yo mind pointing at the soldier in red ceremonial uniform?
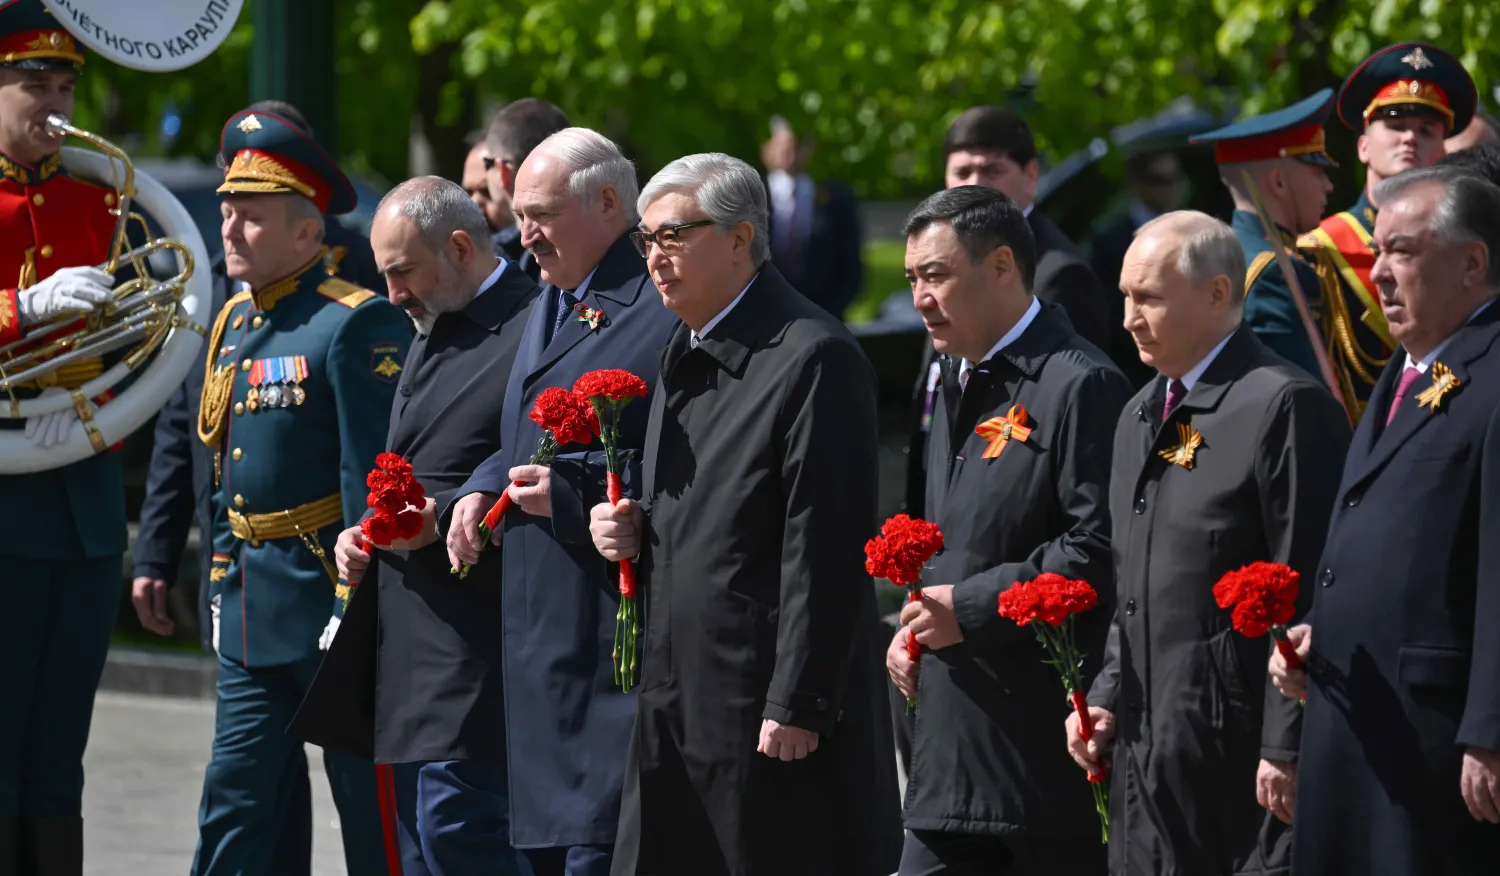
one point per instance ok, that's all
(62, 544)
(1402, 101)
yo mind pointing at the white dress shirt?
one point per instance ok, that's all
(965, 366)
(719, 317)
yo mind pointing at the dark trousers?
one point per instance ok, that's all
(61, 614)
(571, 860)
(293, 853)
(247, 792)
(933, 853)
(454, 818)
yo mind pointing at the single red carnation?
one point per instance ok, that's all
(877, 558)
(1019, 603)
(377, 529)
(615, 384)
(567, 414)
(902, 551)
(389, 501)
(379, 479)
(1263, 595)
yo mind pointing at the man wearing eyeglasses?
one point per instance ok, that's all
(567, 724)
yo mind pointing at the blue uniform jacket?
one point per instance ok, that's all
(1269, 308)
(567, 723)
(276, 595)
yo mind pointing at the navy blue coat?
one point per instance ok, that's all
(567, 723)
(1405, 659)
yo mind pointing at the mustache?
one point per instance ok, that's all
(541, 249)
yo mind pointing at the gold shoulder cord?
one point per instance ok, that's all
(218, 390)
(1350, 362)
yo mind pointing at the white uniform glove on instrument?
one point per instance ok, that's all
(325, 641)
(49, 430)
(70, 290)
(213, 609)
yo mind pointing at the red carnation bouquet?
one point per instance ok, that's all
(566, 418)
(1264, 598)
(609, 390)
(899, 554)
(1048, 604)
(397, 498)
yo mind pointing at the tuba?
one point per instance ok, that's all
(155, 321)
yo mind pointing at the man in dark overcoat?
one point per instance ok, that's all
(568, 723)
(1231, 456)
(412, 677)
(987, 790)
(1400, 759)
(762, 744)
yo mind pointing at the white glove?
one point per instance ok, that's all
(48, 430)
(325, 641)
(70, 290)
(213, 609)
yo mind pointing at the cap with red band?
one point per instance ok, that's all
(31, 39)
(266, 154)
(1293, 132)
(1409, 79)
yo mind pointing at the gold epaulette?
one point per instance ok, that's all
(218, 382)
(344, 292)
(1257, 265)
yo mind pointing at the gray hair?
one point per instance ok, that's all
(299, 208)
(596, 162)
(728, 190)
(437, 207)
(1466, 212)
(1208, 248)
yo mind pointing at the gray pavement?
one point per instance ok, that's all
(143, 774)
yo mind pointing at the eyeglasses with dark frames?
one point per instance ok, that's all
(668, 238)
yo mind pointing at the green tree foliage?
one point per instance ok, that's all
(875, 82)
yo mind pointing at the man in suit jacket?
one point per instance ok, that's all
(1400, 767)
(514, 131)
(413, 676)
(816, 239)
(988, 789)
(1180, 693)
(567, 722)
(759, 747)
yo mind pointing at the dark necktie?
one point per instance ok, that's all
(1175, 392)
(1408, 377)
(565, 304)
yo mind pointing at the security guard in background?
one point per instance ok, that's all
(1403, 101)
(1283, 154)
(62, 542)
(301, 373)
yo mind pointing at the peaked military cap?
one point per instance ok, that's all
(31, 39)
(266, 154)
(1291, 132)
(1408, 79)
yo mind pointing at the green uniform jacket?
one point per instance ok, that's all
(340, 350)
(1269, 307)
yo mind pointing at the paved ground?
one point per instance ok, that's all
(144, 772)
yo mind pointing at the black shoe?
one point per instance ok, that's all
(51, 847)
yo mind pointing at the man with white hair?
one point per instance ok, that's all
(1401, 744)
(567, 723)
(413, 677)
(1229, 457)
(761, 744)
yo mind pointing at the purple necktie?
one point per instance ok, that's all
(1175, 392)
(1408, 377)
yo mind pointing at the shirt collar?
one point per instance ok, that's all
(1426, 361)
(1008, 338)
(25, 175)
(1026, 213)
(491, 279)
(583, 288)
(1195, 374)
(719, 317)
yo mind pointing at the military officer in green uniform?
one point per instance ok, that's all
(1402, 101)
(302, 369)
(1280, 157)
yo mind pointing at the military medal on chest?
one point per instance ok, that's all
(277, 383)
